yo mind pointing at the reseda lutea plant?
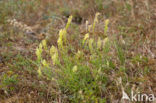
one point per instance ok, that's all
(82, 76)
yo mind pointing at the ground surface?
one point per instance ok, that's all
(132, 25)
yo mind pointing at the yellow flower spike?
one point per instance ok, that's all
(99, 43)
(54, 54)
(39, 72)
(38, 54)
(45, 64)
(53, 79)
(40, 48)
(106, 26)
(44, 43)
(55, 58)
(60, 43)
(53, 50)
(107, 63)
(96, 17)
(60, 39)
(64, 32)
(106, 21)
(85, 38)
(91, 44)
(95, 21)
(69, 22)
(97, 14)
(75, 68)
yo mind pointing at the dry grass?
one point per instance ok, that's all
(132, 55)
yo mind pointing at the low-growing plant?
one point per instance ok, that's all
(85, 74)
(80, 76)
(88, 65)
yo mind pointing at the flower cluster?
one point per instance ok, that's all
(54, 54)
(39, 51)
(90, 41)
(92, 27)
(62, 34)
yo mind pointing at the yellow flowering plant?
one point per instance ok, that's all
(99, 43)
(90, 44)
(75, 65)
(39, 72)
(39, 52)
(60, 39)
(54, 54)
(85, 38)
(69, 22)
(44, 43)
(95, 21)
(106, 26)
(45, 64)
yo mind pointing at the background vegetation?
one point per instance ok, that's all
(79, 51)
